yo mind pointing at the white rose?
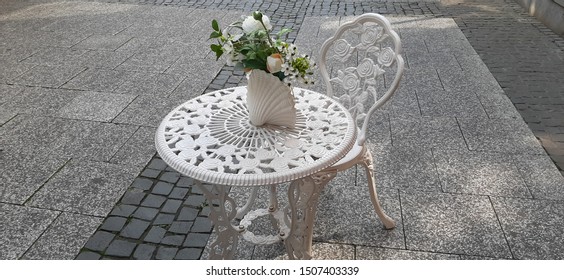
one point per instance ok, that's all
(250, 24)
(274, 63)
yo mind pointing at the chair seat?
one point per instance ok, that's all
(351, 158)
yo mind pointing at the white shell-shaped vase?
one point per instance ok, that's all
(269, 100)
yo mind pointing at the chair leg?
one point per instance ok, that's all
(368, 164)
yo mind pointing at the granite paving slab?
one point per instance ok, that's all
(499, 135)
(404, 167)
(21, 226)
(480, 173)
(147, 110)
(28, 134)
(6, 115)
(404, 105)
(96, 106)
(103, 80)
(421, 79)
(376, 253)
(103, 42)
(7, 94)
(533, 228)
(138, 149)
(473, 66)
(103, 59)
(149, 61)
(418, 55)
(92, 140)
(541, 176)
(379, 130)
(48, 76)
(40, 101)
(453, 79)
(22, 175)
(199, 75)
(64, 237)
(427, 132)
(194, 65)
(143, 42)
(320, 251)
(55, 56)
(450, 103)
(498, 106)
(442, 223)
(345, 214)
(150, 84)
(59, 38)
(65, 137)
(10, 70)
(95, 193)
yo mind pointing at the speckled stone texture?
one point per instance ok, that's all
(83, 86)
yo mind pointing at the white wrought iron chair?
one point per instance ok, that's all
(364, 59)
(367, 50)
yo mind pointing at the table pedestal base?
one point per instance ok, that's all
(294, 222)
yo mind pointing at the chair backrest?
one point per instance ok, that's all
(364, 59)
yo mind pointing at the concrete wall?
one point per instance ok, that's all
(550, 12)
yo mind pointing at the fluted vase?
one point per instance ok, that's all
(269, 100)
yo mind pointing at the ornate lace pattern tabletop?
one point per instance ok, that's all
(210, 139)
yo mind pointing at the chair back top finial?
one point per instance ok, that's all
(364, 59)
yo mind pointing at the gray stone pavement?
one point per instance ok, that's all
(83, 86)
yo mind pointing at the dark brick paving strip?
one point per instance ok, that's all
(163, 216)
(527, 60)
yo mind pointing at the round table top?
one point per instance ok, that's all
(209, 138)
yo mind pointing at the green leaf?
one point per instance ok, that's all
(254, 64)
(215, 34)
(215, 25)
(218, 50)
(283, 31)
(218, 54)
(280, 75)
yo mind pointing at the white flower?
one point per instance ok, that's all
(250, 24)
(288, 69)
(236, 37)
(228, 48)
(234, 58)
(274, 63)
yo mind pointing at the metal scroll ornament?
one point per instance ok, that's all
(269, 101)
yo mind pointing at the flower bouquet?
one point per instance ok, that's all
(252, 47)
(272, 66)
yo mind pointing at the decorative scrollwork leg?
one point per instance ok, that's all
(368, 164)
(242, 211)
(303, 196)
(223, 211)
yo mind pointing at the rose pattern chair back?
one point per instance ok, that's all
(363, 59)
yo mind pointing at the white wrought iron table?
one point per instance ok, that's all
(209, 138)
